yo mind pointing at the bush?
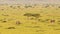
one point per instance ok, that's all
(32, 15)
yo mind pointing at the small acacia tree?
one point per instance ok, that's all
(32, 15)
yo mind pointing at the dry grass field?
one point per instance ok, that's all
(28, 19)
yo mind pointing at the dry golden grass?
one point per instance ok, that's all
(13, 21)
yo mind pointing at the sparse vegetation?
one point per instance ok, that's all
(27, 6)
(11, 28)
(32, 15)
